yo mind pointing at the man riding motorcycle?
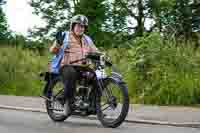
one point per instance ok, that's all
(96, 93)
(73, 45)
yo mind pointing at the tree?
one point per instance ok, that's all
(55, 13)
(173, 18)
(183, 18)
(142, 11)
(196, 22)
(4, 33)
(135, 10)
(196, 15)
(158, 11)
(96, 11)
(58, 13)
(2, 2)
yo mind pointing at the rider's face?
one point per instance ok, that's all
(79, 29)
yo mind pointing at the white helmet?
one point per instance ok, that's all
(78, 19)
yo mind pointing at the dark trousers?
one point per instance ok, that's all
(69, 76)
(51, 78)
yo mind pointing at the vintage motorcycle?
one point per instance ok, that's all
(96, 93)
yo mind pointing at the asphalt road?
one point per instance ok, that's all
(12, 121)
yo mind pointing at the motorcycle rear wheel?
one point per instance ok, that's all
(55, 109)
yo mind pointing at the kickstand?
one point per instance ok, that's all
(46, 98)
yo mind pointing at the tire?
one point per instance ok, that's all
(125, 105)
(55, 117)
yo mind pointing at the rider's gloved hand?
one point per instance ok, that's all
(59, 38)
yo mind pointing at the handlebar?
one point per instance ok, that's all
(75, 61)
(95, 57)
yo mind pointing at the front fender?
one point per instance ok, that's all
(116, 77)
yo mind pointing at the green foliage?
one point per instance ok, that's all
(113, 22)
(95, 10)
(160, 72)
(4, 33)
(19, 70)
(174, 18)
(26, 43)
(156, 71)
(56, 13)
(196, 17)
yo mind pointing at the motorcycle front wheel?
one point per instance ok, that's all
(113, 103)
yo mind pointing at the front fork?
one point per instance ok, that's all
(102, 89)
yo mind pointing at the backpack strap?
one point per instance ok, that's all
(66, 39)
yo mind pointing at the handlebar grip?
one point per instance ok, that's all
(108, 63)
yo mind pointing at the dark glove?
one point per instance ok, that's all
(60, 38)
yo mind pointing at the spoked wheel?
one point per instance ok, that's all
(113, 104)
(56, 110)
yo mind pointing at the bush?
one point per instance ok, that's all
(19, 70)
(156, 71)
(161, 72)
